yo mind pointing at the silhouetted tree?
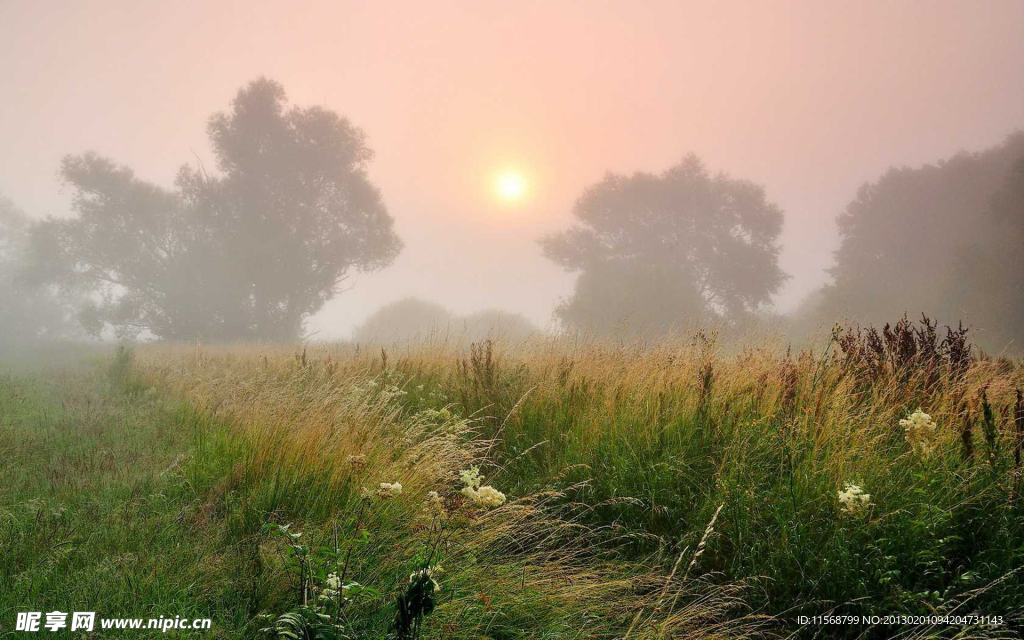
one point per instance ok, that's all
(658, 251)
(927, 240)
(249, 253)
(27, 312)
(994, 280)
(13, 233)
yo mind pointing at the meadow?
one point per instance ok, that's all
(544, 488)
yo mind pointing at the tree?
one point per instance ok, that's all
(660, 251)
(997, 269)
(249, 253)
(927, 240)
(28, 313)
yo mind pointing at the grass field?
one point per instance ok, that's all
(671, 490)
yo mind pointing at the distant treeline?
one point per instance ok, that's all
(685, 248)
(946, 239)
(253, 250)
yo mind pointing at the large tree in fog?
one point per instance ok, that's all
(1008, 218)
(246, 253)
(26, 312)
(661, 251)
(989, 279)
(938, 239)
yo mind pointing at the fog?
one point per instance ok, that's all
(808, 99)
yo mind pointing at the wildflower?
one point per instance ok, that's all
(389, 489)
(357, 461)
(333, 587)
(365, 493)
(853, 499)
(430, 573)
(920, 432)
(434, 502)
(488, 496)
(485, 496)
(471, 477)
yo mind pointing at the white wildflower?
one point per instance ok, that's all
(430, 573)
(485, 496)
(853, 499)
(488, 496)
(365, 493)
(434, 502)
(333, 587)
(471, 477)
(389, 489)
(920, 432)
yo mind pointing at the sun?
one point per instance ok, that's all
(510, 186)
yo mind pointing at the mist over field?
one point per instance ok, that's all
(809, 101)
(513, 320)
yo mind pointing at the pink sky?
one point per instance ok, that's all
(810, 99)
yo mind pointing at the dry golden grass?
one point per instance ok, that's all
(313, 426)
(590, 440)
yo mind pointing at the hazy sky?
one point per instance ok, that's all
(809, 99)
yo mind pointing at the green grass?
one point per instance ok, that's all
(144, 486)
(95, 514)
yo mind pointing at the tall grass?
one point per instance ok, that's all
(296, 438)
(617, 458)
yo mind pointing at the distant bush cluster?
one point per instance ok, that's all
(414, 319)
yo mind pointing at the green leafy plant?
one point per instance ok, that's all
(323, 592)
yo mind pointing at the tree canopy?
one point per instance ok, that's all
(1008, 217)
(27, 313)
(942, 239)
(661, 251)
(247, 253)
